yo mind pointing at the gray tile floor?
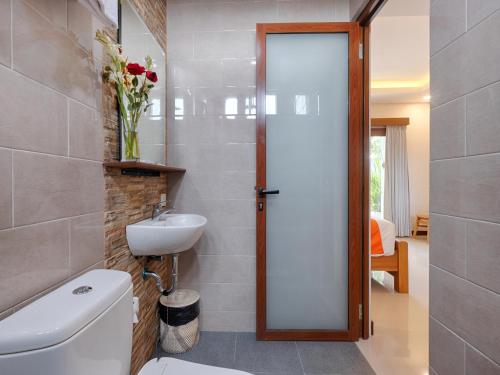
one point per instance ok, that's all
(242, 352)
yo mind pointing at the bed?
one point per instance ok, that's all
(388, 254)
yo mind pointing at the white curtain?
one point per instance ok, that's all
(397, 186)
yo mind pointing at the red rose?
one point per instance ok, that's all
(151, 76)
(135, 69)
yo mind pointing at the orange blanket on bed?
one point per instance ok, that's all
(376, 238)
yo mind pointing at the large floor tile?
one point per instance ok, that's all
(5, 30)
(332, 358)
(266, 356)
(214, 349)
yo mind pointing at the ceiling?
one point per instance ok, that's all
(399, 54)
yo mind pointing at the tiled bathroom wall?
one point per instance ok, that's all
(464, 191)
(51, 148)
(211, 132)
(60, 212)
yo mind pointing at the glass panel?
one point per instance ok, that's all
(377, 160)
(307, 160)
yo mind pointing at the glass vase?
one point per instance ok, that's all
(131, 145)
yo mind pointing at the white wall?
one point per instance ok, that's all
(417, 134)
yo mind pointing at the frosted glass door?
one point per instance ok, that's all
(307, 159)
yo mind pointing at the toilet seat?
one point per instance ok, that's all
(172, 366)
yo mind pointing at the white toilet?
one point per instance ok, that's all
(82, 328)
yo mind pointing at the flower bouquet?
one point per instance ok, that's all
(133, 83)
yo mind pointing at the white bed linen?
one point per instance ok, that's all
(388, 234)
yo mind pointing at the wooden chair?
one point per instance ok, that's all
(421, 225)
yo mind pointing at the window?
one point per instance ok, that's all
(377, 160)
(231, 108)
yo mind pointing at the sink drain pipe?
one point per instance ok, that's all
(173, 276)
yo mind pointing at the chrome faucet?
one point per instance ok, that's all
(157, 210)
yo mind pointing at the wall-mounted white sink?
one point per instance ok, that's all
(166, 234)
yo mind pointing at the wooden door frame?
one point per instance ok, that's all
(365, 16)
(356, 181)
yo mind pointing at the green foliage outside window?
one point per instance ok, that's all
(377, 155)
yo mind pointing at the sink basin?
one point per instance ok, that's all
(167, 234)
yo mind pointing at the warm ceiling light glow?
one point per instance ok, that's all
(407, 84)
(427, 97)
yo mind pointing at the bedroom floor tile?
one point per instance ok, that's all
(400, 343)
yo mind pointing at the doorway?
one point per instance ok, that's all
(309, 181)
(396, 109)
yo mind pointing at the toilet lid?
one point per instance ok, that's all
(172, 366)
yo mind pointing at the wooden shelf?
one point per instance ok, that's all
(142, 169)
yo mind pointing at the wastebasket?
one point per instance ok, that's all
(179, 325)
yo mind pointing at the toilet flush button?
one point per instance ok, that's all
(82, 290)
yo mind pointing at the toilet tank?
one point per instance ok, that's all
(82, 328)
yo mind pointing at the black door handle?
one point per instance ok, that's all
(263, 192)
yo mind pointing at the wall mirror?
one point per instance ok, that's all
(138, 42)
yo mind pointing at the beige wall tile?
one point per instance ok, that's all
(213, 45)
(181, 45)
(483, 254)
(5, 32)
(445, 190)
(87, 241)
(446, 350)
(226, 297)
(5, 188)
(238, 184)
(306, 11)
(482, 54)
(33, 258)
(216, 269)
(448, 22)
(466, 187)
(83, 25)
(475, 56)
(447, 132)
(52, 187)
(466, 309)
(200, 16)
(448, 242)
(448, 81)
(86, 135)
(228, 321)
(238, 73)
(478, 10)
(243, 15)
(48, 55)
(477, 364)
(483, 114)
(34, 117)
(54, 10)
(227, 240)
